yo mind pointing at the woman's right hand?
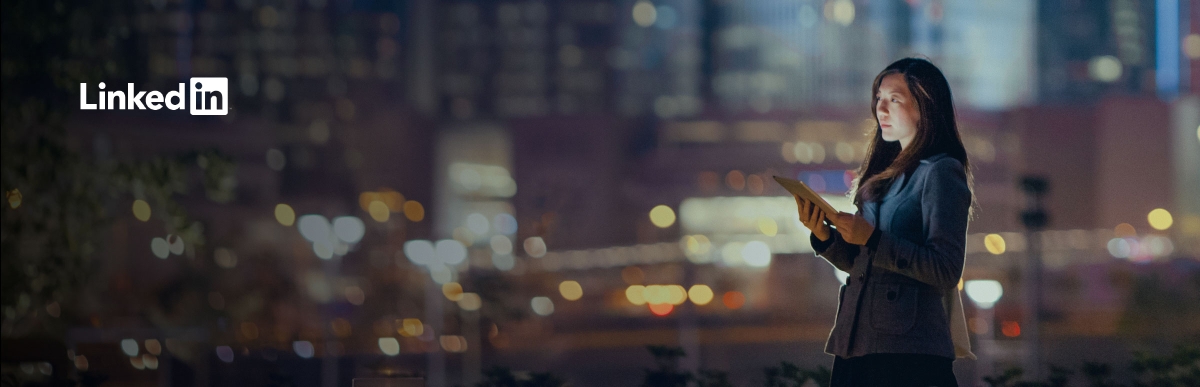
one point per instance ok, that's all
(813, 217)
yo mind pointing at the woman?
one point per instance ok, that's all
(904, 246)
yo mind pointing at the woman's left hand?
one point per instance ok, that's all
(854, 228)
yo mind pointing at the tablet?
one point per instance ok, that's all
(800, 189)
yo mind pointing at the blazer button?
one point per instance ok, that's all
(860, 276)
(902, 263)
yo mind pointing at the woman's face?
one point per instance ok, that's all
(896, 110)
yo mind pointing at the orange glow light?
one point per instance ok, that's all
(734, 300)
(661, 309)
(1010, 328)
(735, 180)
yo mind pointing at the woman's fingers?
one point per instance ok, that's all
(810, 214)
(845, 218)
(842, 220)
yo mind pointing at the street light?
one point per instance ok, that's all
(985, 293)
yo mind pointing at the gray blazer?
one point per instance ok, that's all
(897, 297)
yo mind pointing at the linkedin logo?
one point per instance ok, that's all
(209, 96)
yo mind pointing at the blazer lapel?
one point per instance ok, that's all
(897, 183)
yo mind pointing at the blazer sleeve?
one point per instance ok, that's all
(945, 207)
(837, 251)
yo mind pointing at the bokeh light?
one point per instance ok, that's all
(453, 291)
(414, 211)
(341, 327)
(1160, 219)
(224, 258)
(441, 274)
(285, 215)
(840, 12)
(355, 295)
(348, 229)
(130, 347)
(411, 327)
(985, 293)
(661, 309)
(478, 224)
(141, 210)
(225, 353)
(470, 302)
(160, 248)
(644, 13)
(154, 347)
(504, 262)
(994, 243)
(451, 252)
(14, 195)
(543, 306)
(505, 224)
(733, 299)
(700, 294)
(420, 252)
(389, 346)
(1119, 247)
(767, 226)
(1105, 68)
(662, 216)
(150, 361)
(175, 244)
(535, 247)
(1191, 46)
(501, 245)
(304, 349)
(379, 211)
(453, 343)
(756, 254)
(1124, 230)
(570, 290)
(315, 228)
(636, 294)
(1010, 328)
(735, 180)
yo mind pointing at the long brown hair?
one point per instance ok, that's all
(937, 132)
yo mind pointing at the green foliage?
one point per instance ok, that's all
(504, 377)
(1098, 374)
(1180, 368)
(668, 374)
(790, 375)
